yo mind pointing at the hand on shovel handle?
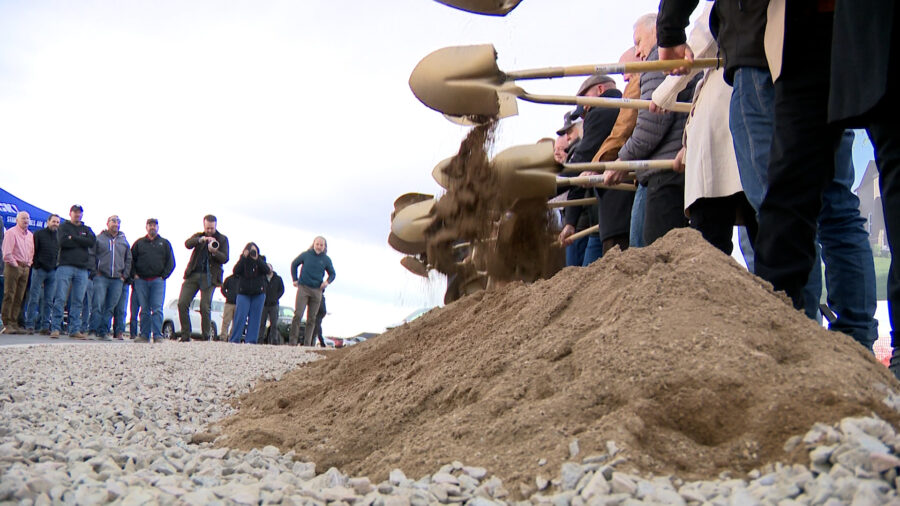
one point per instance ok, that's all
(618, 165)
(574, 237)
(572, 203)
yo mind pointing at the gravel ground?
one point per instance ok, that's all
(127, 424)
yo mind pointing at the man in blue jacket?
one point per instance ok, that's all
(310, 284)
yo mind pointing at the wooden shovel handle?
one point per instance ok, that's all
(571, 168)
(572, 203)
(609, 103)
(578, 235)
(595, 181)
(612, 68)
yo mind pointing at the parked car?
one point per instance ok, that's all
(172, 325)
(412, 316)
(285, 320)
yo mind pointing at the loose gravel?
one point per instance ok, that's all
(128, 424)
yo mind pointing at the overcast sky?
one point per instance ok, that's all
(285, 119)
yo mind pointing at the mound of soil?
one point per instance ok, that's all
(674, 351)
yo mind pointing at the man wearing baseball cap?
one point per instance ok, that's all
(153, 261)
(75, 243)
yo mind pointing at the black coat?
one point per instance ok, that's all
(274, 290)
(46, 249)
(200, 254)
(152, 259)
(863, 68)
(251, 274)
(76, 245)
(229, 289)
(598, 123)
(739, 28)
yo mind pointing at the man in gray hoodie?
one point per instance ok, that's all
(113, 266)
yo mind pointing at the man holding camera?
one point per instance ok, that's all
(203, 274)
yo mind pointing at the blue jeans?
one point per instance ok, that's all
(121, 311)
(593, 251)
(150, 295)
(636, 234)
(849, 266)
(40, 299)
(575, 252)
(107, 292)
(245, 306)
(68, 277)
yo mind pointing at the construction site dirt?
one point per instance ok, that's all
(675, 352)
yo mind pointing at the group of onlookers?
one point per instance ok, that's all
(84, 276)
(765, 145)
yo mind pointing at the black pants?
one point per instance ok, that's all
(802, 163)
(270, 314)
(620, 240)
(664, 205)
(715, 218)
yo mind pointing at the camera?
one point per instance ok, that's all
(254, 254)
(214, 244)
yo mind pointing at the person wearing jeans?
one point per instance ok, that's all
(310, 283)
(76, 241)
(113, 266)
(251, 271)
(43, 277)
(153, 261)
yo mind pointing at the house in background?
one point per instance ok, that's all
(870, 208)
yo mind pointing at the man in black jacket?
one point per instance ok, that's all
(203, 274)
(153, 261)
(274, 291)
(614, 205)
(76, 241)
(43, 277)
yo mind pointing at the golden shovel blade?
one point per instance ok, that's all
(405, 247)
(463, 81)
(488, 7)
(409, 223)
(439, 173)
(408, 199)
(415, 266)
(527, 171)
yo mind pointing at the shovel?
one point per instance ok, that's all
(406, 247)
(408, 199)
(489, 7)
(465, 81)
(578, 235)
(439, 173)
(415, 266)
(539, 156)
(409, 223)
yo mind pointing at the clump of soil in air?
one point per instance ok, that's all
(510, 240)
(675, 352)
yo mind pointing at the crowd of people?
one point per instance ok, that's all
(766, 146)
(65, 278)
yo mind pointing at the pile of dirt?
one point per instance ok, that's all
(674, 351)
(509, 239)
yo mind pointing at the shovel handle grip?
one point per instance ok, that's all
(578, 235)
(609, 103)
(612, 68)
(572, 203)
(570, 168)
(594, 181)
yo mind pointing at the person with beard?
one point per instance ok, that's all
(575, 218)
(43, 277)
(203, 274)
(614, 206)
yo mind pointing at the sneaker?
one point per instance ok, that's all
(14, 329)
(104, 338)
(141, 340)
(79, 335)
(119, 336)
(54, 334)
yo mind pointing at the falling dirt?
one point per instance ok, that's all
(689, 363)
(513, 239)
